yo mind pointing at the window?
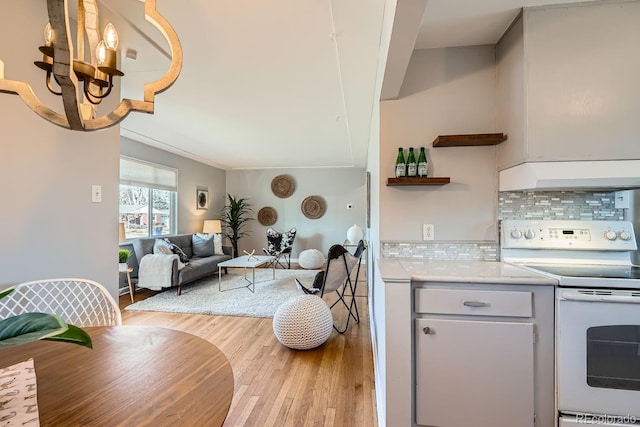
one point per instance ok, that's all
(613, 357)
(148, 198)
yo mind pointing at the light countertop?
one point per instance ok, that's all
(405, 270)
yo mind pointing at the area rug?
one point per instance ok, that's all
(203, 297)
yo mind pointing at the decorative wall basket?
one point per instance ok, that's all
(267, 216)
(283, 186)
(313, 207)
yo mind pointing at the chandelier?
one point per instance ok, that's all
(85, 80)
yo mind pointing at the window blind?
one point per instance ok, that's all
(144, 174)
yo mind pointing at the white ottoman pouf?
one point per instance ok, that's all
(303, 322)
(310, 259)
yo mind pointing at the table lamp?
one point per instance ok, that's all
(122, 236)
(212, 226)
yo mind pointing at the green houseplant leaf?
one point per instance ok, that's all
(234, 216)
(123, 255)
(73, 335)
(28, 327)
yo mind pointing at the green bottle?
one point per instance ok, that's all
(401, 167)
(422, 163)
(412, 166)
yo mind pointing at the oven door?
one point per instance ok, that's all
(598, 351)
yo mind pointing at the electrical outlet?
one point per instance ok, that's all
(427, 231)
(623, 199)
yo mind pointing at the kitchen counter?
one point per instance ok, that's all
(406, 270)
(402, 276)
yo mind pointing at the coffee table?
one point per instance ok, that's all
(245, 262)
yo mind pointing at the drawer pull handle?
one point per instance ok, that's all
(475, 304)
(428, 331)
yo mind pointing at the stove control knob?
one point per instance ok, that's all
(610, 235)
(624, 235)
(516, 234)
(529, 234)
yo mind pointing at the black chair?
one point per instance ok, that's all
(280, 245)
(336, 277)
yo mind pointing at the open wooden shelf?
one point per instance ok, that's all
(469, 140)
(418, 181)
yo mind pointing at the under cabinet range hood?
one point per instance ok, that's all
(583, 175)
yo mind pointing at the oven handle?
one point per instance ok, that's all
(577, 296)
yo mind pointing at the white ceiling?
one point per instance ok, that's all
(282, 84)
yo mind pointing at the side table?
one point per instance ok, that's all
(131, 287)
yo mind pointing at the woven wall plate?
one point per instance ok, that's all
(313, 207)
(267, 216)
(283, 186)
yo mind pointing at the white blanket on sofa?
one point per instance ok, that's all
(155, 271)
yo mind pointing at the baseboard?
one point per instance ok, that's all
(380, 398)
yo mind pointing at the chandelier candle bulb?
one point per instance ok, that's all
(48, 34)
(110, 36)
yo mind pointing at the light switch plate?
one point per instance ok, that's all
(96, 193)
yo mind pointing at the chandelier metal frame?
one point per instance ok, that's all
(79, 111)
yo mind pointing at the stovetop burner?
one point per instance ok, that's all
(591, 254)
(590, 271)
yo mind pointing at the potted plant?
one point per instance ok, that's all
(28, 327)
(234, 216)
(123, 257)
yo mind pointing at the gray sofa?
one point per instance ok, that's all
(197, 268)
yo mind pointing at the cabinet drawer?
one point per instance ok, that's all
(474, 303)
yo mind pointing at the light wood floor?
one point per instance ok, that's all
(275, 386)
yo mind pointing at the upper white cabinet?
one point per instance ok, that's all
(567, 84)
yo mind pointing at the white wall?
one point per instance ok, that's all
(446, 91)
(51, 227)
(511, 96)
(376, 289)
(191, 176)
(338, 187)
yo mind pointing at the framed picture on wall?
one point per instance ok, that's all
(368, 200)
(202, 199)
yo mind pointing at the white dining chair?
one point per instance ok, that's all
(80, 302)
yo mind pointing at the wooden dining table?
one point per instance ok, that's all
(133, 376)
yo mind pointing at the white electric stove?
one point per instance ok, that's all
(597, 313)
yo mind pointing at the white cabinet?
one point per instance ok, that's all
(474, 373)
(483, 355)
(567, 85)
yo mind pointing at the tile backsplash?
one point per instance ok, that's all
(442, 250)
(590, 206)
(582, 205)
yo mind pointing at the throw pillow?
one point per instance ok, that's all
(178, 251)
(161, 247)
(203, 245)
(217, 244)
(274, 241)
(288, 238)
